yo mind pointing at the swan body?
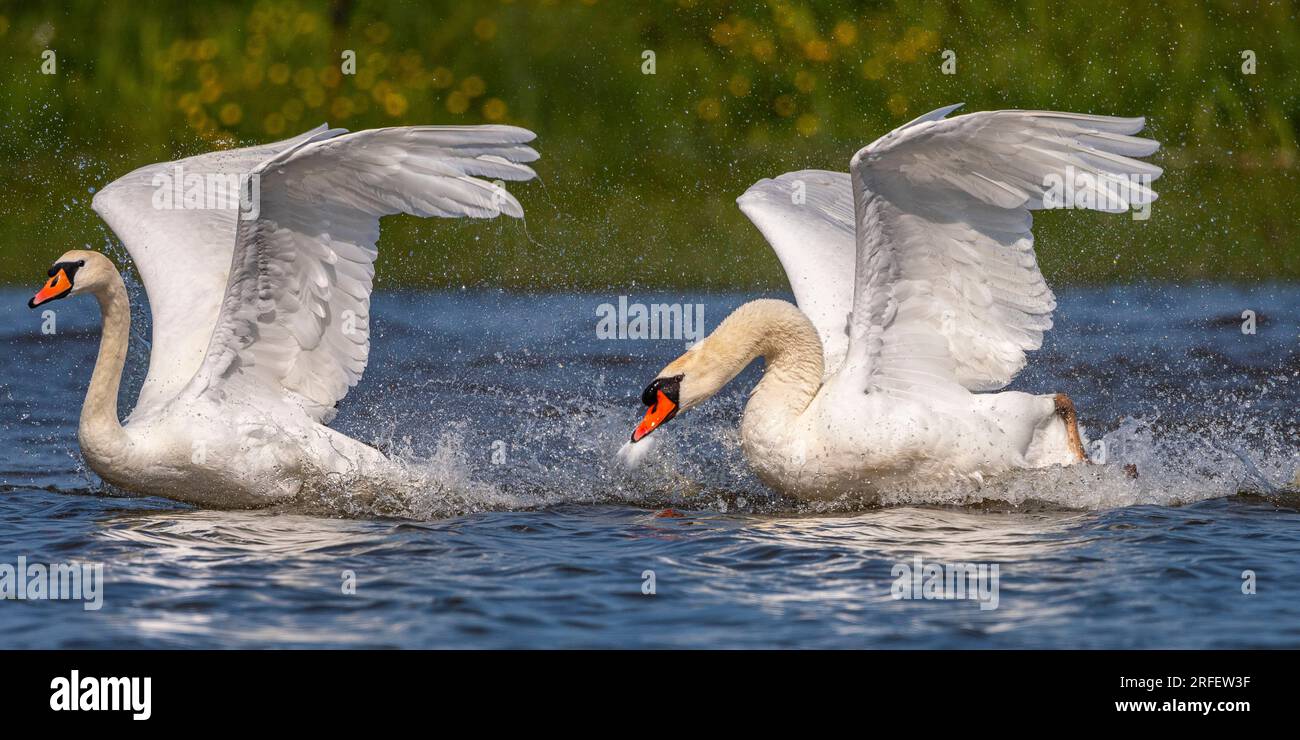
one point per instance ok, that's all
(918, 292)
(261, 316)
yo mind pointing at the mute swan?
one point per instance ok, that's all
(261, 308)
(916, 285)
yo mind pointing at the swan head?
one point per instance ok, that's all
(662, 399)
(684, 384)
(710, 364)
(76, 272)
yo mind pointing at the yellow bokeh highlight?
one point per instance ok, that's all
(473, 86)
(197, 119)
(723, 34)
(485, 29)
(377, 62)
(210, 92)
(817, 50)
(806, 124)
(915, 42)
(738, 85)
(274, 124)
(393, 81)
(494, 109)
(784, 106)
(378, 32)
(252, 75)
(395, 104)
(331, 76)
(304, 78)
(278, 73)
(845, 33)
(442, 78)
(341, 108)
(457, 102)
(305, 24)
(411, 63)
(231, 114)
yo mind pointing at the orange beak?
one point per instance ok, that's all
(57, 287)
(661, 411)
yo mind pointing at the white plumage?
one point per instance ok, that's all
(918, 275)
(945, 257)
(261, 320)
(308, 259)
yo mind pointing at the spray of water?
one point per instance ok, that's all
(583, 458)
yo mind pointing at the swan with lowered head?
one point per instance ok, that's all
(917, 286)
(261, 309)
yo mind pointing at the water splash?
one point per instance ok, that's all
(700, 466)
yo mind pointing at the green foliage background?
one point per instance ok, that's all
(639, 172)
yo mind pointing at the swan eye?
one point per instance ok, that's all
(671, 387)
(69, 269)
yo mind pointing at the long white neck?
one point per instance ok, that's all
(100, 433)
(783, 336)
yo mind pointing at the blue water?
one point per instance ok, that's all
(550, 546)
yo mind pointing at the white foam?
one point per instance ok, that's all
(633, 454)
(586, 458)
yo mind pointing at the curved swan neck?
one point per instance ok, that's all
(100, 433)
(787, 341)
(792, 352)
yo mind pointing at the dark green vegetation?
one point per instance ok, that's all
(639, 172)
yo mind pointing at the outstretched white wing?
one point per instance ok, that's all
(807, 218)
(947, 288)
(183, 253)
(295, 319)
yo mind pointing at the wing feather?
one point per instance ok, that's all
(947, 290)
(182, 254)
(295, 317)
(807, 218)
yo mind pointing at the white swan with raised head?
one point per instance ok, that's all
(261, 312)
(917, 285)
